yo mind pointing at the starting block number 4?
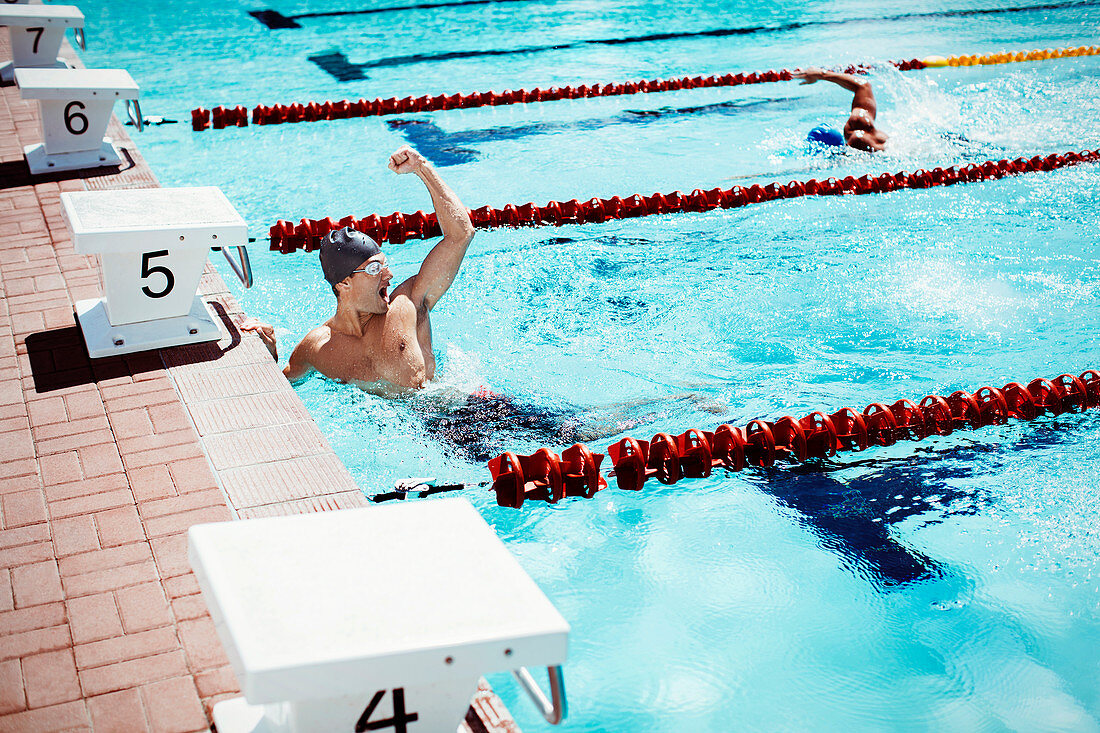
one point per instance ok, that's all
(399, 721)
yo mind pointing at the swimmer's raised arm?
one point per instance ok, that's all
(441, 265)
(864, 97)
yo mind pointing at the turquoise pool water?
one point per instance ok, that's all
(951, 584)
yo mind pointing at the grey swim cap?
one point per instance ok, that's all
(343, 251)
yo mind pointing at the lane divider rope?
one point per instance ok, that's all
(549, 477)
(238, 116)
(399, 227)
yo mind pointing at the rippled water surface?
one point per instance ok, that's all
(946, 585)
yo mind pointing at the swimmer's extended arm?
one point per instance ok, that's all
(441, 265)
(864, 97)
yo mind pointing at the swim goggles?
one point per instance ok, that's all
(371, 268)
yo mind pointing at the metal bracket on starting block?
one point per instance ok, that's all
(152, 246)
(369, 619)
(36, 32)
(75, 107)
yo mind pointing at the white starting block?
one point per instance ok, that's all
(152, 246)
(75, 107)
(369, 619)
(36, 32)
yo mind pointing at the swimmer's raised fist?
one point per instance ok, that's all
(810, 75)
(407, 160)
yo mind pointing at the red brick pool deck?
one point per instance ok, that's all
(104, 466)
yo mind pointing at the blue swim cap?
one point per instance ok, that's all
(825, 135)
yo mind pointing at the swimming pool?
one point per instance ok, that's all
(950, 584)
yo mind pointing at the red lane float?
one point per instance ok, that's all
(544, 476)
(398, 227)
(278, 114)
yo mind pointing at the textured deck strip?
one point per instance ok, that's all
(104, 465)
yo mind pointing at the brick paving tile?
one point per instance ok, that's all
(173, 705)
(26, 643)
(41, 616)
(12, 698)
(85, 487)
(181, 586)
(18, 444)
(143, 607)
(86, 403)
(105, 559)
(118, 712)
(175, 523)
(176, 504)
(170, 553)
(25, 535)
(23, 508)
(67, 716)
(36, 583)
(151, 483)
(163, 455)
(93, 617)
(114, 677)
(101, 501)
(217, 681)
(200, 640)
(188, 607)
(50, 678)
(18, 479)
(131, 423)
(119, 526)
(110, 579)
(7, 599)
(130, 402)
(48, 431)
(11, 557)
(192, 474)
(97, 460)
(74, 535)
(86, 441)
(156, 441)
(126, 648)
(60, 468)
(171, 416)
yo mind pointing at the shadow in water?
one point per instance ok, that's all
(852, 514)
(273, 19)
(450, 148)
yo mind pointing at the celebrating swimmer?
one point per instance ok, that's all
(859, 131)
(378, 337)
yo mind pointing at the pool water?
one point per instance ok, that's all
(951, 584)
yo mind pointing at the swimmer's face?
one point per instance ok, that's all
(369, 285)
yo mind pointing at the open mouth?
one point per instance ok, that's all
(384, 293)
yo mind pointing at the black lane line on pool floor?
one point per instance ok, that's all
(275, 20)
(337, 64)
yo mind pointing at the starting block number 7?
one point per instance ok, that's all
(400, 720)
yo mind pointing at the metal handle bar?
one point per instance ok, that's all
(132, 109)
(244, 271)
(553, 712)
(79, 33)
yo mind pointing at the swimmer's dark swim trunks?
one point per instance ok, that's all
(488, 424)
